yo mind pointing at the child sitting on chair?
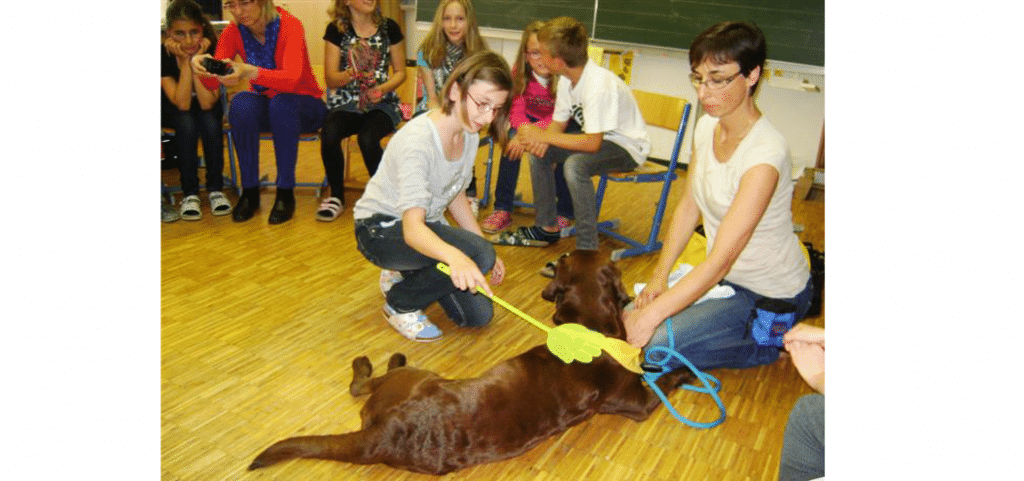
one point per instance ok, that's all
(611, 136)
(533, 102)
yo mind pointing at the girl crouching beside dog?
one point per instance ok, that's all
(399, 221)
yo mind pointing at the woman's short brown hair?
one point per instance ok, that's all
(740, 42)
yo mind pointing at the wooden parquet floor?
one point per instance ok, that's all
(260, 324)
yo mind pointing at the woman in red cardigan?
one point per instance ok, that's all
(283, 96)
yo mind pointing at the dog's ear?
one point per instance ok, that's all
(611, 279)
(552, 290)
(562, 274)
(557, 285)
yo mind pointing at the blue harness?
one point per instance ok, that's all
(705, 378)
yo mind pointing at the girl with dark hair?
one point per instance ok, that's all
(191, 108)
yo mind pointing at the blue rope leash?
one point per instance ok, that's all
(704, 377)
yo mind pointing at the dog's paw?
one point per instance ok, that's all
(361, 368)
(397, 360)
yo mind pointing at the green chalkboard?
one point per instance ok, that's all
(795, 29)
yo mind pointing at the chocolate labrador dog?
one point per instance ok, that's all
(419, 421)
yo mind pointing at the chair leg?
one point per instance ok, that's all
(486, 199)
(231, 161)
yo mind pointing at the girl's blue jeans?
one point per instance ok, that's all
(380, 240)
(508, 177)
(189, 127)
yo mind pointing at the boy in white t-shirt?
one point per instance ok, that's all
(596, 128)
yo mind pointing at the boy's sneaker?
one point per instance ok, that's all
(412, 325)
(388, 278)
(532, 236)
(498, 221)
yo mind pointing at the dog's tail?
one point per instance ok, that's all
(349, 447)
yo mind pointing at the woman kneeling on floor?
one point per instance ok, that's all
(399, 221)
(738, 183)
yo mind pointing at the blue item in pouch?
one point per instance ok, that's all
(772, 319)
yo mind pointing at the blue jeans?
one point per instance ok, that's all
(508, 177)
(189, 127)
(580, 167)
(379, 239)
(285, 116)
(716, 333)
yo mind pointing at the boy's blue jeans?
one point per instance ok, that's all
(716, 333)
(380, 240)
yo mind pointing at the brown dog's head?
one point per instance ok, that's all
(587, 289)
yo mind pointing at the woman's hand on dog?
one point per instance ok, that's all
(638, 331)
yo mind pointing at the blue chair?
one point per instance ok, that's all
(662, 111)
(486, 199)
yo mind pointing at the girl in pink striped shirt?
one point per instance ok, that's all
(533, 102)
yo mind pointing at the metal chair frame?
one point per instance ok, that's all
(651, 244)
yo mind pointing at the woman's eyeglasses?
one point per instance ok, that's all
(713, 84)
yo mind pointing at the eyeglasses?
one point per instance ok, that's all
(713, 84)
(239, 3)
(484, 108)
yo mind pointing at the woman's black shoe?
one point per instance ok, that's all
(284, 207)
(247, 205)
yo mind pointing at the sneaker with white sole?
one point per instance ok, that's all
(219, 204)
(412, 325)
(190, 208)
(388, 278)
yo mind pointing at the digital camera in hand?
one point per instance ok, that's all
(217, 67)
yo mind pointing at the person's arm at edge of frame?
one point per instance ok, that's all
(806, 345)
